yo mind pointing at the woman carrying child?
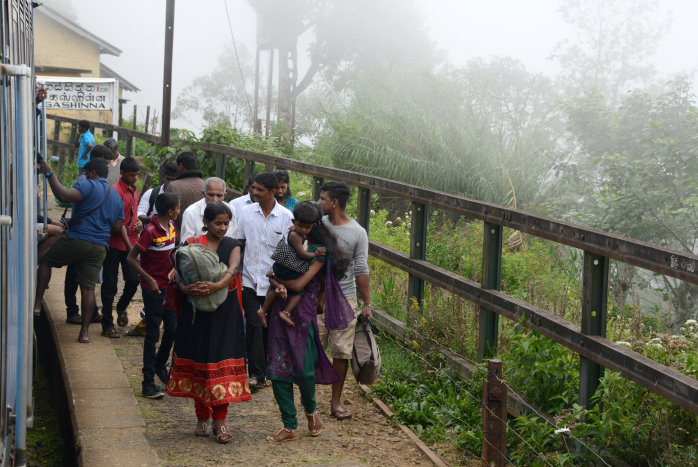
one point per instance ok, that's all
(295, 355)
(209, 351)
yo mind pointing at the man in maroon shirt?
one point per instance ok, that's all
(118, 251)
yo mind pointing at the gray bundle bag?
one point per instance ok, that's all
(366, 359)
(195, 262)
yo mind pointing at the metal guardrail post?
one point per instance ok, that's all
(317, 184)
(418, 250)
(364, 208)
(594, 310)
(220, 166)
(491, 279)
(249, 170)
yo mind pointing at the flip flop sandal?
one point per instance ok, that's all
(221, 434)
(341, 415)
(97, 317)
(122, 318)
(284, 435)
(83, 340)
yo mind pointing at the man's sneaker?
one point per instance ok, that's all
(163, 375)
(152, 391)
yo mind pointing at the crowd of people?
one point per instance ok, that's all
(292, 274)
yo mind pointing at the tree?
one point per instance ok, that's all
(645, 179)
(475, 131)
(348, 37)
(220, 97)
(612, 45)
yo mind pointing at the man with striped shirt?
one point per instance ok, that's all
(260, 226)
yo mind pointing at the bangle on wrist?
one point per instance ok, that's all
(48, 174)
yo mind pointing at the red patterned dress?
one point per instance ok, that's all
(209, 354)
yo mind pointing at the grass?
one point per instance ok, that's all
(44, 440)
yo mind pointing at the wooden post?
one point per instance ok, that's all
(56, 136)
(167, 75)
(491, 279)
(494, 417)
(220, 166)
(73, 135)
(147, 119)
(249, 170)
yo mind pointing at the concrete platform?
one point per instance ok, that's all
(107, 425)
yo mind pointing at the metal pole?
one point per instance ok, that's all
(594, 301)
(418, 250)
(317, 184)
(491, 279)
(167, 75)
(269, 85)
(255, 118)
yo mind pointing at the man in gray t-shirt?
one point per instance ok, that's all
(354, 240)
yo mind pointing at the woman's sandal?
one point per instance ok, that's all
(340, 414)
(314, 423)
(202, 429)
(284, 435)
(221, 434)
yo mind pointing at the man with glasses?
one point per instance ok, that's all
(192, 219)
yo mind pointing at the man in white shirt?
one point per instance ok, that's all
(260, 226)
(241, 201)
(192, 219)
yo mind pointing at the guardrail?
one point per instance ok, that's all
(588, 340)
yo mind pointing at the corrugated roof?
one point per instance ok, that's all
(107, 72)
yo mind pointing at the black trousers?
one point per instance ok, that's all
(154, 315)
(110, 277)
(255, 335)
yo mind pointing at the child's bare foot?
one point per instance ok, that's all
(286, 318)
(262, 317)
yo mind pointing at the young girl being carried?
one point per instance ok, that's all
(291, 259)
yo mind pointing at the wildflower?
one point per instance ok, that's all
(301, 194)
(389, 223)
(625, 344)
(655, 343)
(422, 322)
(398, 220)
(562, 430)
(373, 213)
(415, 344)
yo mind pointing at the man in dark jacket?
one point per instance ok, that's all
(189, 184)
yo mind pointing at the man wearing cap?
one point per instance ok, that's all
(118, 252)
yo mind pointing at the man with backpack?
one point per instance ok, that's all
(146, 206)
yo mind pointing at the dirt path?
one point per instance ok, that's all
(368, 439)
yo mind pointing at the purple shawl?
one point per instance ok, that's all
(287, 345)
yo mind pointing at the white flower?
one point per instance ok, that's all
(373, 213)
(562, 430)
(399, 219)
(655, 343)
(388, 223)
(301, 194)
(625, 344)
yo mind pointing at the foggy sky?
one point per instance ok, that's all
(464, 29)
